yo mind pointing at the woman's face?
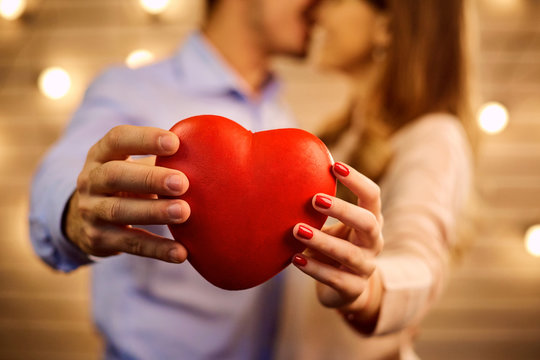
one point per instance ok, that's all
(350, 30)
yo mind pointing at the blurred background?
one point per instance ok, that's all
(51, 50)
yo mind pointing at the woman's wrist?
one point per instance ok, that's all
(363, 314)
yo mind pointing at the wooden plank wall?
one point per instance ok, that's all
(491, 309)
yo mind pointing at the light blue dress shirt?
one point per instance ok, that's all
(147, 309)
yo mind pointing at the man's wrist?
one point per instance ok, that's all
(67, 221)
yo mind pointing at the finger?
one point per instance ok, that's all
(139, 242)
(354, 258)
(125, 140)
(367, 191)
(358, 218)
(123, 176)
(131, 211)
(349, 286)
(338, 230)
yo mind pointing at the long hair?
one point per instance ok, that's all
(424, 71)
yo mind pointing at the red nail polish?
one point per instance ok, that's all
(341, 169)
(299, 260)
(323, 201)
(305, 232)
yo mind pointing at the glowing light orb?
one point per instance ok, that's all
(54, 83)
(532, 240)
(493, 117)
(139, 58)
(12, 9)
(154, 6)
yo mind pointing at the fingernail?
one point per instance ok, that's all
(167, 142)
(305, 232)
(323, 201)
(174, 256)
(341, 169)
(175, 211)
(174, 182)
(299, 260)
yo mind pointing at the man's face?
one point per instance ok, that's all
(284, 25)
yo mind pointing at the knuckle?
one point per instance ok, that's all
(83, 208)
(114, 210)
(149, 180)
(95, 237)
(108, 209)
(369, 267)
(379, 245)
(352, 258)
(357, 289)
(335, 281)
(93, 151)
(133, 245)
(373, 194)
(109, 175)
(112, 138)
(371, 226)
(82, 181)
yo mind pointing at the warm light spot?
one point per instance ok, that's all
(139, 58)
(12, 9)
(532, 240)
(54, 82)
(493, 117)
(154, 6)
(504, 4)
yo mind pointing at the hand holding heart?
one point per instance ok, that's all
(245, 232)
(114, 192)
(341, 257)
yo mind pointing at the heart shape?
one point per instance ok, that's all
(247, 191)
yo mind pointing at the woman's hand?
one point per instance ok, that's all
(342, 257)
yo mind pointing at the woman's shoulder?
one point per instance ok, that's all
(433, 127)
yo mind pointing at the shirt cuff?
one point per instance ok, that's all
(407, 282)
(70, 255)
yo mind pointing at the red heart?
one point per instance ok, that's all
(247, 191)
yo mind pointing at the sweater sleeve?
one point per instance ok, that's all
(423, 190)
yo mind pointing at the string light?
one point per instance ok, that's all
(154, 6)
(532, 240)
(12, 9)
(54, 83)
(493, 117)
(139, 58)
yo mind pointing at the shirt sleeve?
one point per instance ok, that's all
(423, 191)
(103, 107)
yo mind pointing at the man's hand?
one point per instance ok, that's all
(114, 192)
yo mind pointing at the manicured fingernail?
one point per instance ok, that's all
(341, 169)
(305, 232)
(167, 142)
(323, 201)
(299, 260)
(174, 256)
(174, 182)
(175, 211)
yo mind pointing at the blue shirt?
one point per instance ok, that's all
(147, 309)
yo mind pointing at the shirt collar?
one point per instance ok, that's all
(202, 69)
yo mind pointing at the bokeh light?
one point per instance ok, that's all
(154, 6)
(532, 240)
(493, 117)
(54, 82)
(139, 58)
(12, 9)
